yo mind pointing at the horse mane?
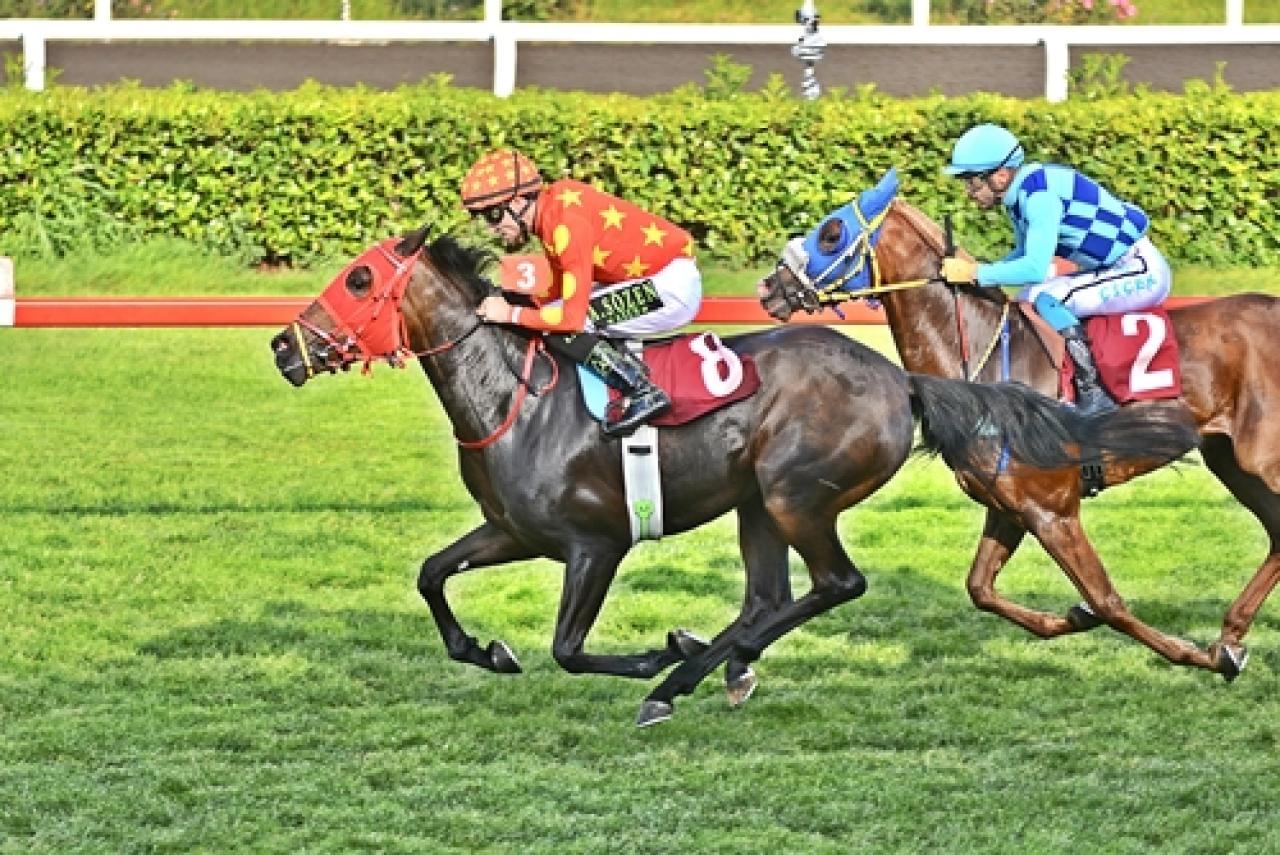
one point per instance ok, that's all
(465, 264)
(921, 224)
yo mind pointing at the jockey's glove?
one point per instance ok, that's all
(959, 271)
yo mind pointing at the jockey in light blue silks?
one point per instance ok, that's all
(1056, 211)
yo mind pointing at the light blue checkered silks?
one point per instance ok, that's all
(1055, 210)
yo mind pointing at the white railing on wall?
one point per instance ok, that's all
(506, 36)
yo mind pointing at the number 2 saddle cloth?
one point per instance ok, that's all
(1136, 354)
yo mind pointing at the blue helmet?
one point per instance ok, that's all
(984, 148)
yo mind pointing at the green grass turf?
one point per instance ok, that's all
(212, 641)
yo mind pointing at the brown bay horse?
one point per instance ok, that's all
(831, 423)
(1230, 361)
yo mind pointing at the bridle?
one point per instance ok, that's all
(373, 328)
(812, 299)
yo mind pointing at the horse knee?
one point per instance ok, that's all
(983, 597)
(432, 574)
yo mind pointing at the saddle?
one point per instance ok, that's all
(1136, 354)
(698, 371)
(701, 375)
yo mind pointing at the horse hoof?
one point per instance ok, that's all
(502, 658)
(1082, 618)
(687, 643)
(1231, 660)
(654, 712)
(741, 689)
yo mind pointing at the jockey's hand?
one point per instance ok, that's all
(494, 310)
(959, 271)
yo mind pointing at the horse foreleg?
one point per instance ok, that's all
(768, 588)
(588, 574)
(1064, 539)
(1001, 536)
(1253, 492)
(485, 546)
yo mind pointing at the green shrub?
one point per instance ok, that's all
(321, 172)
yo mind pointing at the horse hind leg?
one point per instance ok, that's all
(1253, 492)
(1063, 537)
(835, 580)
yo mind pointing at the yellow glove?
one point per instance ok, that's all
(959, 271)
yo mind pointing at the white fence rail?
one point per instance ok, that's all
(506, 36)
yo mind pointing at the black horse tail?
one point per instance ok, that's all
(966, 422)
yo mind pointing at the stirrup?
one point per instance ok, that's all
(1094, 403)
(638, 410)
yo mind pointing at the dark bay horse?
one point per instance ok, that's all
(1230, 350)
(831, 423)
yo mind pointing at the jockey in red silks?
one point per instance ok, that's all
(1056, 211)
(617, 271)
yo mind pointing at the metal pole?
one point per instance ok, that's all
(809, 49)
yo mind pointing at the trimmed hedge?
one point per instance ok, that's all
(321, 172)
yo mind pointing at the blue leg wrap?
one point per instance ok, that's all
(1054, 312)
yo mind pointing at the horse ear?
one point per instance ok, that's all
(412, 242)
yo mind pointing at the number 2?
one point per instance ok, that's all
(1141, 378)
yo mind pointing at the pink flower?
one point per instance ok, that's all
(1088, 4)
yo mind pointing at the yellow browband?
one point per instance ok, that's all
(826, 297)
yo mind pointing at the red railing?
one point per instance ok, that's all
(277, 311)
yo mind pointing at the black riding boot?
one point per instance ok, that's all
(1091, 398)
(624, 372)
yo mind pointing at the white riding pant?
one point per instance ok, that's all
(679, 286)
(1140, 279)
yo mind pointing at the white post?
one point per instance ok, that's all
(8, 308)
(102, 10)
(1235, 13)
(346, 10)
(1057, 62)
(919, 13)
(504, 61)
(33, 59)
(504, 49)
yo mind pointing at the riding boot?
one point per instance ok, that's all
(642, 400)
(1091, 398)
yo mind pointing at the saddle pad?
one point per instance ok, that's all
(698, 371)
(1137, 355)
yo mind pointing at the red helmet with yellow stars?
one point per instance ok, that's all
(497, 178)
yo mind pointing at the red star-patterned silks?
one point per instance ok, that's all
(593, 237)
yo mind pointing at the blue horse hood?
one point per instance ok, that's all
(825, 268)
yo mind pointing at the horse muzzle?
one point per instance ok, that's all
(298, 360)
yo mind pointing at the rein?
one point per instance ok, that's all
(536, 346)
(829, 296)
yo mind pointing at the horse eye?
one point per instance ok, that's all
(829, 236)
(359, 281)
